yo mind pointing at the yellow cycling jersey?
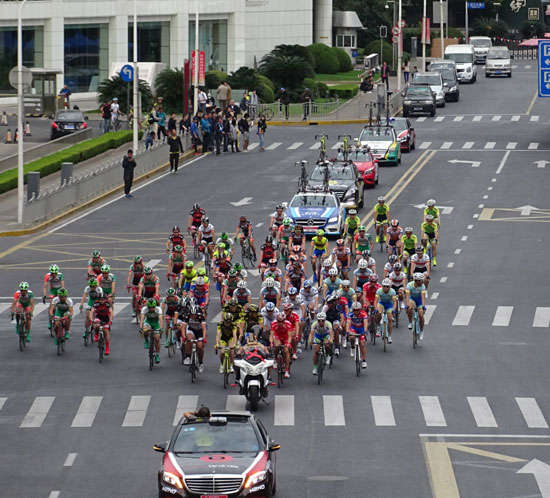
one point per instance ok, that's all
(433, 211)
(320, 243)
(381, 209)
(189, 276)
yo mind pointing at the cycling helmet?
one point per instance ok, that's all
(287, 221)
(96, 253)
(189, 264)
(269, 239)
(279, 206)
(105, 269)
(227, 317)
(296, 248)
(395, 223)
(333, 272)
(352, 211)
(386, 282)
(373, 277)
(221, 245)
(332, 298)
(138, 259)
(397, 267)
(201, 272)
(365, 253)
(293, 259)
(381, 199)
(292, 291)
(238, 266)
(252, 308)
(340, 242)
(176, 229)
(233, 273)
(287, 306)
(270, 306)
(242, 219)
(307, 284)
(273, 262)
(92, 282)
(171, 291)
(233, 302)
(224, 236)
(62, 292)
(356, 306)
(418, 276)
(54, 269)
(205, 219)
(419, 249)
(281, 317)
(346, 283)
(321, 316)
(241, 284)
(362, 265)
(327, 263)
(320, 232)
(392, 259)
(200, 281)
(194, 310)
(24, 286)
(430, 203)
(269, 282)
(429, 217)
(409, 230)
(362, 228)
(178, 248)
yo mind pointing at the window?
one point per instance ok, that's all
(153, 42)
(340, 41)
(213, 40)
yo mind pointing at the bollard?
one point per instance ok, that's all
(4, 119)
(66, 172)
(33, 184)
(28, 129)
(8, 139)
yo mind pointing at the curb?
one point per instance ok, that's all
(319, 122)
(91, 202)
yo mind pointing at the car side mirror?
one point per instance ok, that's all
(160, 447)
(273, 446)
(85, 118)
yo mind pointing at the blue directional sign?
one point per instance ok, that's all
(544, 68)
(127, 73)
(476, 5)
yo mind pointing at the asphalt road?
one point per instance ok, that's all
(459, 416)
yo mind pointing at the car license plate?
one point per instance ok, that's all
(69, 126)
(498, 71)
(418, 108)
(213, 496)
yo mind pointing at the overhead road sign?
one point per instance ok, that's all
(543, 66)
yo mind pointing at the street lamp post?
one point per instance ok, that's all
(196, 67)
(399, 48)
(20, 172)
(136, 109)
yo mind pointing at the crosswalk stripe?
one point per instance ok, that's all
(153, 262)
(284, 410)
(87, 411)
(463, 315)
(235, 402)
(54, 494)
(136, 412)
(511, 145)
(4, 307)
(433, 414)
(446, 145)
(295, 145)
(468, 145)
(477, 118)
(253, 146)
(383, 411)
(430, 308)
(533, 145)
(542, 317)
(424, 145)
(532, 413)
(481, 411)
(496, 118)
(273, 146)
(185, 404)
(2, 402)
(69, 461)
(502, 316)
(534, 118)
(119, 307)
(39, 308)
(217, 318)
(458, 118)
(315, 146)
(38, 412)
(515, 118)
(528, 66)
(333, 409)
(254, 271)
(490, 145)
(421, 119)
(336, 145)
(439, 119)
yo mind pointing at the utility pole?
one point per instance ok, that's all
(135, 82)
(441, 34)
(196, 69)
(424, 36)
(399, 48)
(466, 20)
(20, 132)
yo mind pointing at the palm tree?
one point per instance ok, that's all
(116, 87)
(287, 71)
(169, 86)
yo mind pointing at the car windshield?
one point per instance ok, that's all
(424, 93)
(313, 200)
(334, 172)
(70, 116)
(427, 79)
(447, 75)
(233, 437)
(377, 134)
(498, 53)
(480, 43)
(399, 124)
(460, 58)
(361, 156)
(438, 66)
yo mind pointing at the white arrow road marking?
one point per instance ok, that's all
(152, 263)
(516, 118)
(245, 201)
(533, 146)
(473, 164)
(526, 210)
(541, 473)
(542, 163)
(442, 209)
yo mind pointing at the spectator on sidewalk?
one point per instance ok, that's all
(385, 75)
(219, 132)
(414, 71)
(228, 90)
(115, 111)
(195, 135)
(244, 128)
(176, 147)
(206, 129)
(284, 101)
(149, 139)
(106, 115)
(262, 127)
(233, 136)
(202, 98)
(172, 123)
(185, 124)
(253, 105)
(222, 95)
(161, 116)
(226, 131)
(128, 164)
(65, 93)
(406, 72)
(307, 99)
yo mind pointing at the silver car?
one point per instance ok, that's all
(435, 82)
(498, 62)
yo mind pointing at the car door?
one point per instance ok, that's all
(267, 441)
(412, 133)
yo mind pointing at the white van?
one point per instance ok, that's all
(498, 62)
(463, 55)
(481, 44)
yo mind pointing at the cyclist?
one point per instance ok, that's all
(319, 246)
(281, 333)
(309, 296)
(23, 301)
(242, 293)
(409, 243)
(267, 252)
(294, 310)
(149, 285)
(187, 275)
(229, 285)
(369, 294)
(195, 217)
(341, 256)
(176, 260)
(170, 311)
(252, 319)
(393, 239)
(243, 274)
(135, 272)
(276, 220)
(95, 263)
(326, 265)
(269, 315)
(102, 315)
(420, 263)
(200, 290)
(91, 294)
(283, 236)
(347, 292)
(381, 216)
(425, 243)
(362, 241)
(333, 313)
(194, 328)
(107, 281)
(206, 235)
(61, 307)
(270, 292)
(298, 252)
(361, 274)
(245, 231)
(273, 271)
(416, 298)
(298, 237)
(236, 310)
(226, 337)
(398, 282)
(331, 284)
(151, 323)
(321, 332)
(53, 281)
(386, 301)
(295, 274)
(175, 239)
(431, 209)
(226, 241)
(388, 267)
(352, 223)
(221, 261)
(357, 324)
(430, 230)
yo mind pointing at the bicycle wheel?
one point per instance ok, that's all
(415, 338)
(372, 330)
(357, 359)
(193, 368)
(21, 334)
(397, 315)
(85, 337)
(320, 368)
(52, 334)
(101, 347)
(196, 252)
(151, 352)
(59, 347)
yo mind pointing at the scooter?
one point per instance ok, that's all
(253, 378)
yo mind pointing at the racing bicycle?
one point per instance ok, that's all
(280, 360)
(246, 253)
(170, 336)
(357, 352)
(194, 366)
(302, 180)
(415, 332)
(323, 147)
(324, 359)
(226, 364)
(384, 329)
(21, 327)
(371, 321)
(100, 343)
(59, 327)
(345, 145)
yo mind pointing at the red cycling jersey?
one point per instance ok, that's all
(281, 330)
(369, 292)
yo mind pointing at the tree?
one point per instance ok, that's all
(344, 61)
(287, 71)
(294, 50)
(169, 86)
(115, 87)
(244, 77)
(326, 61)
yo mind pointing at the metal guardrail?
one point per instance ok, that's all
(297, 111)
(524, 53)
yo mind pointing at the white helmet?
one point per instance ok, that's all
(327, 263)
(333, 272)
(200, 280)
(356, 306)
(241, 284)
(363, 264)
(321, 316)
(346, 283)
(430, 203)
(244, 274)
(418, 276)
(269, 282)
(386, 282)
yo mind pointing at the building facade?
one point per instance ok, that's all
(82, 38)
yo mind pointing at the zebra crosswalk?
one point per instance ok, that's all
(284, 410)
(477, 118)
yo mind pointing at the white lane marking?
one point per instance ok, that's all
(87, 411)
(469, 227)
(481, 206)
(442, 280)
(439, 119)
(315, 146)
(235, 402)
(119, 307)
(217, 318)
(4, 307)
(542, 317)
(424, 145)
(383, 411)
(481, 411)
(458, 250)
(477, 118)
(2, 402)
(534, 418)
(528, 66)
(38, 411)
(273, 146)
(496, 118)
(69, 461)
(39, 308)
(295, 145)
(258, 225)
(136, 412)
(421, 119)
(336, 145)
(533, 146)
(502, 317)
(511, 145)
(433, 414)
(253, 146)
(435, 295)
(458, 118)
(485, 196)
(490, 145)
(430, 308)
(515, 118)
(118, 197)
(463, 316)
(333, 410)
(284, 410)
(464, 238)
(475, 216)
(186, 403)
(54, 494)
(468, 145)
(489, 188)
(450, 264)
(153, 262)
(534, 118)
(446, 145)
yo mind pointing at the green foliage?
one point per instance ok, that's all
(325, 59)
(372, 14)
(244, 77)
(266, 94)
(74, 154)
(169, 86)
(344, 61)
(264, 80)
(322, 89)
(318, 88)
(213, 79)
(486, 26)
(343, 91)
(532, 29)
(115, 87)
(374, 48)
(294, 51)
(283, 70)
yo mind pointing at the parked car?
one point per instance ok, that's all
(343, 180)
(481, 45)
(66, 122)
(434, 81)
(405, 133)
(498, 62)
(419, 99)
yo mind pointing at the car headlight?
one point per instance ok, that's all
(350, 194)
(407, 102)
(255, 478)
(452, 89)
(172, 479)
(334, 219)
(427, 102)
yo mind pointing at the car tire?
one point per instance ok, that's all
(405, 114)
(510, 74)
(432, 114)
(361, 202)
(269, 492)
(376, 179)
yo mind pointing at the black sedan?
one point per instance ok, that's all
(66, 122)
(344, 181)
(226, 455)
(419, 99)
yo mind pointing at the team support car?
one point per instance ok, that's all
(318, 210)
(419, 100)
(66, 122)
(343, 180)
(405, 133)
(383, 144)
(366, 165)
(228, 455)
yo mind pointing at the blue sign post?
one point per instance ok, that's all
(476, 5)
(544, 68)
(127, 73)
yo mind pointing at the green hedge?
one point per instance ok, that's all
(343, 91)
(213, 79)
(343, 59)
(74, 154)
(326, 60)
